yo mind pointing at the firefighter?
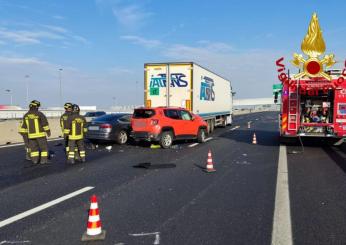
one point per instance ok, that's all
(76, 128)
(24, 133)
(36, 124)
(63, 123)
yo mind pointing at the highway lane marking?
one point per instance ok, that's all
(208, 139)
(236, 127)
(44, 206)
(282, 228)
(196, 144)
(156, 234)
(18, 144)
(14, 242)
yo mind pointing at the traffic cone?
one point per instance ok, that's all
(210, 165)
(94, 231)
(254, 140)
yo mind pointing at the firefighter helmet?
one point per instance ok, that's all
(35, 103)
(68, 105)
(75, 108)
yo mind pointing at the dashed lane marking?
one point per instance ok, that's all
(282, 229)
(196, 144)
(208, 139)
(43, 206)
(17, 144)
(232, 129)
(156, 234)
(193, 145)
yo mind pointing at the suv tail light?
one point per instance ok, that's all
(106, 125)
(154, 122)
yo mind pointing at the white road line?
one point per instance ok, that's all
(14, 242)
(236, 127)
(193, 145)
(156, 234)
(17, 144)
(282, 229)
(207, 139)
(43, 206)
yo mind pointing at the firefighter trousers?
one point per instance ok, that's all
(26, 146)
(74, 147)
(66, 145)
(38, 150)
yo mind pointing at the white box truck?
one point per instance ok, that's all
(192, 87)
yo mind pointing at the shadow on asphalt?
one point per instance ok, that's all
(336, 157)
(148, 165)
(265, 138)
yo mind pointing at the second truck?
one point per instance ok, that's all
(193, 87)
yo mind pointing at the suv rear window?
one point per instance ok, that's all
(173, 114)
(143, 113)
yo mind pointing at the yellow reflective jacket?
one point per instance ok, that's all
(63, 122)
(36, 124)
(76, 127)
(21, 128)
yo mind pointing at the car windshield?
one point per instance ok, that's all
(108, 118)
(143, 113)
(90, 114)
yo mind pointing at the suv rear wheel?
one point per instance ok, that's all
(166, 139)
(202, 135)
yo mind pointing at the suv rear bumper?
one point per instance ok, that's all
(145, 136)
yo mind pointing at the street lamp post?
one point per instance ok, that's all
(9, 92)
(114, 104)
(60, 70)
(27, 88)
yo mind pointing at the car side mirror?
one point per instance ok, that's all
(193, 118)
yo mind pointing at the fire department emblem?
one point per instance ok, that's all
(313, 46)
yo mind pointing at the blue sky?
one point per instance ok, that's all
(101, 45)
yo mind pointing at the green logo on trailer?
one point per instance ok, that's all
(154, 91)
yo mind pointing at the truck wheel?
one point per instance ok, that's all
(122, 137)
(224, 122)
(166, 139)
(202, 135)
(212, 126)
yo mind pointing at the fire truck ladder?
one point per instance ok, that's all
(293, 109)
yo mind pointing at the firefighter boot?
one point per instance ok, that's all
(27, 155)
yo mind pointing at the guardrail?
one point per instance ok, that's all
(18, 114)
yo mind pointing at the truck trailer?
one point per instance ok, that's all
(193, 87)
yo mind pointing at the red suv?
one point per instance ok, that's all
(166, 124)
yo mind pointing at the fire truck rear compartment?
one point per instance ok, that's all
(316, 113)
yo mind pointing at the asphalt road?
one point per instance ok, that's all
(175, 201)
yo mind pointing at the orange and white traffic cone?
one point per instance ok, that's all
(210, 165)
(254, 140)
(94, 231)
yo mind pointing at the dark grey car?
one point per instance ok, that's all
(110, 127)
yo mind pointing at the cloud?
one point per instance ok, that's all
(38, 34)
(148, 43)
(129, 14)
(252, 72)
(58, 17)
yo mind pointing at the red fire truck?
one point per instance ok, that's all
(313, 101)
(314, 106)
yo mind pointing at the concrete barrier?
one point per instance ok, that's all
(9, 130)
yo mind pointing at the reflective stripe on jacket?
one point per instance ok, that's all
(76, 127)
(63, 122)
(21, 128)
(36, 124)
